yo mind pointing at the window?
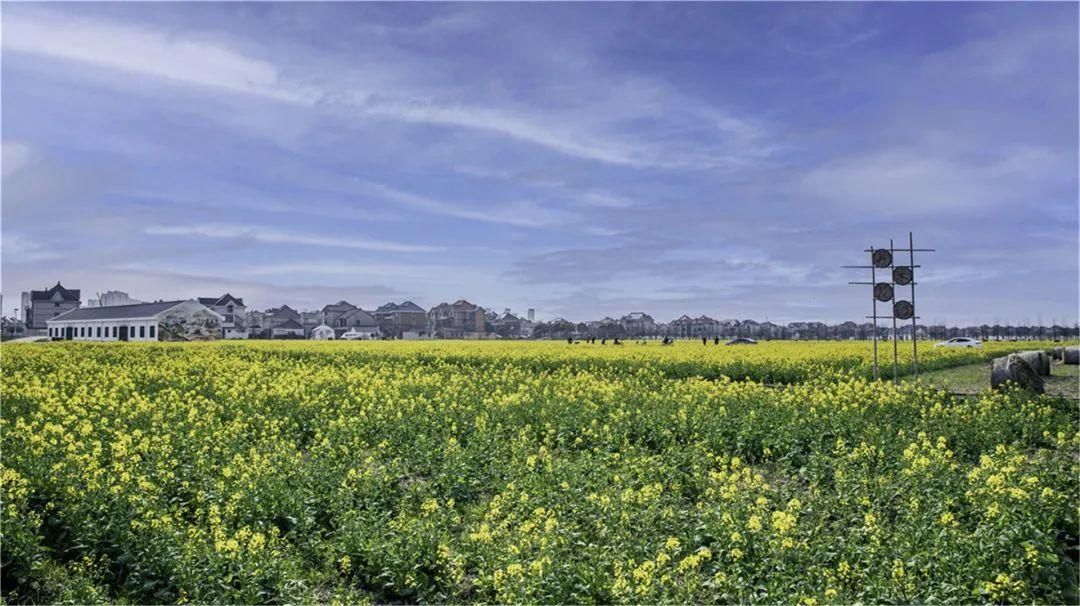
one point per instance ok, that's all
(142, 332)
(82, 331)
(99, 332)
(114, 329)
(152, 327)
(56, 305)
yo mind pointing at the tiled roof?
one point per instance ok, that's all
(222, 300)
(116, 312)
(290, 324)
(46, 295)
(358, 317)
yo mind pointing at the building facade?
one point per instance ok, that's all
(159, 321)
(396, 319)
(457, 320)
(638, 324)
(43, 305)
(289, 329)
(233, 310)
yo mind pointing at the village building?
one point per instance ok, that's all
(322, 332)
(457, 320)
(396, 319)
(638, 324)
(289, 329)
(233, 310)
(702, 326)
(510, 326)
(42, 305)
(159, 321)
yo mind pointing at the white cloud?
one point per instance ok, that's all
(928, 178)
(180, 58)
(275, 236)
(590, 128)
(14, 157)
(16, 248)
(520, 214)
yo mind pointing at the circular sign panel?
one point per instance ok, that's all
(902, 275)
(903, 310)
(882, 258)
(883, 291)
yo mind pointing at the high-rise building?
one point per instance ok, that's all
(532, 315)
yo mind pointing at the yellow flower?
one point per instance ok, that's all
(754, 523)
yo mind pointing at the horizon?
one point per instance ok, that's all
(722, 159)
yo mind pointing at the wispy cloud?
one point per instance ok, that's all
(200, 60)
(177, 56)
(271, 235)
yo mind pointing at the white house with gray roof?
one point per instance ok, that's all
(159, 321)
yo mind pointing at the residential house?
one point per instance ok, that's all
(396, 319)
(42, 305)
(770, 330)
(356, 320)
(232, 309)
(638, 324)
(510, 326)
(331, 313)
(681, 327)
(457, 320)
(704, 326)
(311, 320)
(261, 324)
(289, 329)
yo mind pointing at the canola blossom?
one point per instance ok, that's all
(454, 472)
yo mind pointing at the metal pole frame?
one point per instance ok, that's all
(873, 299)
(914, 321)
(895, 346)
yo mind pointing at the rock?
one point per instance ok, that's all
(1039, 361)
(1071, 355)
(1012, 368)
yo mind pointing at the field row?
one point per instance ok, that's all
(290, 473)
(774, 362)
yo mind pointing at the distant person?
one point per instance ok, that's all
(704, 341)
(617, 342)
(569, 340)
(603, 341)
(716, 340)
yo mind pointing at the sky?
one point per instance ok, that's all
(580, 159)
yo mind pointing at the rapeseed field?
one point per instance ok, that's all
(451, 472)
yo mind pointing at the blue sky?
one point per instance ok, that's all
(582, 159)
